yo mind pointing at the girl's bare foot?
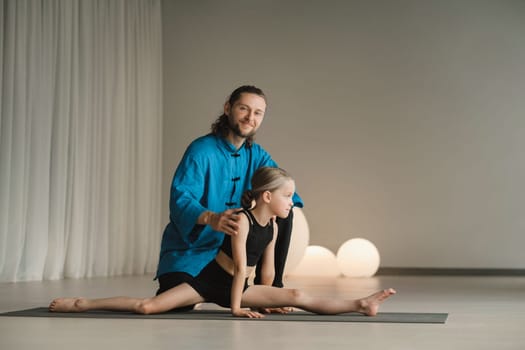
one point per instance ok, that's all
(370, 305)
(68, 305)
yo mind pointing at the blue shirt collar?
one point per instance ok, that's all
(229, 147)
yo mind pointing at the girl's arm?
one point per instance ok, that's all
(268, 267)
(239, 269)
(268, 273)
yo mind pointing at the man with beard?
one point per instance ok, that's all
(206, 192)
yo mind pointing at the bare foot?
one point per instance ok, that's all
(370, 305)
(68, 305)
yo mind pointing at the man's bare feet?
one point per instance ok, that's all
(68, 305)
(370, 305)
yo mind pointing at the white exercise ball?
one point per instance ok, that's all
(317, 261)
(358, 257)
(298, 241)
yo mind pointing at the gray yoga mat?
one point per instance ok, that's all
(297, 316)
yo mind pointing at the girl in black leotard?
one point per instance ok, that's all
(224, 280)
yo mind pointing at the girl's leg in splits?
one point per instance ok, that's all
(264, 296)
(178, 296)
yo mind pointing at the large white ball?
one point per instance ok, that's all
(298, 241)
(358, 257)
(317, 261)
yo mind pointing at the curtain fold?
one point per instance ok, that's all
(80, 138)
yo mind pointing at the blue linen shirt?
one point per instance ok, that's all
(212, 175)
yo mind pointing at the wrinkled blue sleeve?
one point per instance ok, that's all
(187, 191)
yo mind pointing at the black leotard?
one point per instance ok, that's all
(258, 238)
(213, 283)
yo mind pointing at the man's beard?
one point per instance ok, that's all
(237, 131)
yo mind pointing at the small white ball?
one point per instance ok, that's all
(358, 257)
(317, 261)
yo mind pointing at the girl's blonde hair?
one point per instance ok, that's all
(264, 179)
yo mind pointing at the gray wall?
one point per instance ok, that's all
(402, 121)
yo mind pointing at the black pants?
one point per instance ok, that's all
(281, 250)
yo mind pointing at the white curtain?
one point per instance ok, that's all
(80, 138)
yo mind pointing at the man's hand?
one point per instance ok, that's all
(227, 221)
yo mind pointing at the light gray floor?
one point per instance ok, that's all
(484, 313)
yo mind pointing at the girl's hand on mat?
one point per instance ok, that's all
(276, 310)
(247, 313)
